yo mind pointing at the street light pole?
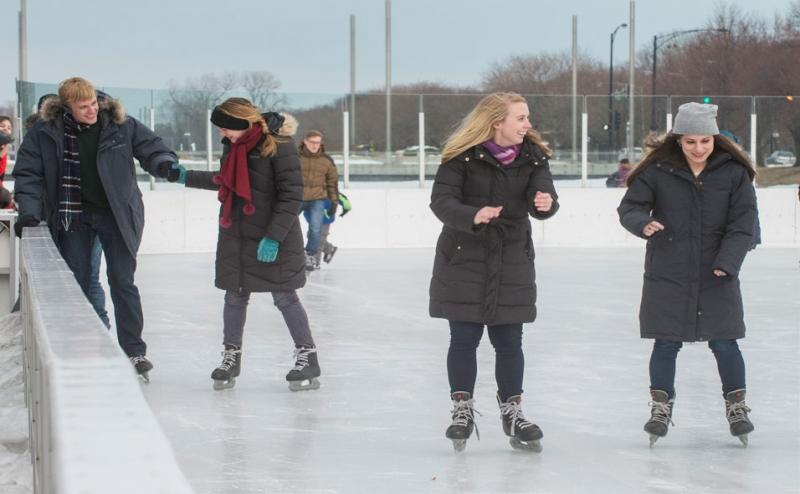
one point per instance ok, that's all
(611, 88)
(660, 40)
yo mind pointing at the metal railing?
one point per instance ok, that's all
(91, 430)
(356, 132)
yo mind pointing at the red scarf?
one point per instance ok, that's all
(233, 177)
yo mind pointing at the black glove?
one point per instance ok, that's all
(22, 222)
(172, 171)
(331, 211)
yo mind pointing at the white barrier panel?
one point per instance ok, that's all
(91, 430)
(186, 220)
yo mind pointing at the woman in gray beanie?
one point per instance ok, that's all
(692, 199)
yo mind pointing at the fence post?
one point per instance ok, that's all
(346, 147)
(153, 128)
(584, 145)
(209, 155)
(421, 153)
(753, 130)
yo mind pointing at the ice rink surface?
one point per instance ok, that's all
(377, 423)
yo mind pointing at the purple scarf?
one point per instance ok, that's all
(505, 155)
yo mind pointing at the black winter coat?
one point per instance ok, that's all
(276, 183)
(708, 225)
(37, 172)
(485, 273)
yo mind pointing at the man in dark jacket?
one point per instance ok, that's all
(75, 171)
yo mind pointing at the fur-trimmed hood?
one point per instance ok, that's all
(53, 108)
(282, 124)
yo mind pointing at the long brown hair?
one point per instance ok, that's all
(243, 109)
(476, 127)
(669, 151)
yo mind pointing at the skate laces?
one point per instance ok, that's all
(138, 359)
(661, 412)
(228, 359)
(737, 412)
(301, 357)
(464, 413)
(513, 411)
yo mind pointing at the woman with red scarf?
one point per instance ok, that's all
(260, 245)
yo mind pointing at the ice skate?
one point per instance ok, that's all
(225, 375)
(328, 251)
(523, 434)
(306, 370)
(142, 366)
(463, 416)
(736, 411)
(312, 262)
(660, 415)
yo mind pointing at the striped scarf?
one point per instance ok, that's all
(69, 201)
(505, 155)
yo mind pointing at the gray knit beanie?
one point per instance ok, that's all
(696, 119)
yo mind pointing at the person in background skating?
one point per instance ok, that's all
(494, 175)
(75, 171)
(617, 179)
(692, 199)
(327, 250)
(260, 245)
(320, 182)
(7, 128)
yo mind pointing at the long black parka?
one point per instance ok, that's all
(276, 183)
(709, 223)
(485, 273)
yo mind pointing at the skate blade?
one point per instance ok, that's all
(459, 445)
(653, 439)
(743, 439)
(218, 385)
(535, 446)
(144, 377)
(304, 385)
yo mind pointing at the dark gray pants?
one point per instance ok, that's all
(235, 313)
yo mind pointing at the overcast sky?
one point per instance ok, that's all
(305, 43)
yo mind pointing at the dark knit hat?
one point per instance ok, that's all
(226, 121)
(696, 119)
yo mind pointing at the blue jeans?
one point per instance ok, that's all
(77, 249)
(730, 364)
(96, 295)
(509, 364)
(316, 213)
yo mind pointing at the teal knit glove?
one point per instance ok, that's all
(267, 250)
(177, 173)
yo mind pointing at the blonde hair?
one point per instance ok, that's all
(243, 109)
(76, 89)
(477, 126)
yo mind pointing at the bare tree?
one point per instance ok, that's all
(262, 89)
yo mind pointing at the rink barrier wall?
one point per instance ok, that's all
(185, 220)
(91, 430)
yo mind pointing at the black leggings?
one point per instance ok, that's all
(462, 365)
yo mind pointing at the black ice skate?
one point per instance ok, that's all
(142, 366)
(312, 262)
(306, 370)
(463, 415)
(328, 251)
(522, 434)
(660, 415)
(225, 375)
(736, 411)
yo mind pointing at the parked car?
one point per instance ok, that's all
(414, 150)
(781, 158)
